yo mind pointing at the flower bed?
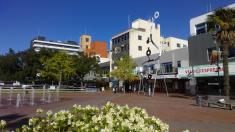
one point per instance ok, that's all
(92, 119)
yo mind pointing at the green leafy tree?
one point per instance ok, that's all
(59, 66)
(222, 22)
(9, 66)
(124, 69)
(85, 65)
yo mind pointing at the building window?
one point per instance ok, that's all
(178, 45)
(87, 39)
(184, 45)
(122, 48)
(231, 52)
(168, 44)
(86, 46)
(127, 36)
(178, 63)
(152, 70)
(140, 48)
(166, 68)
(139, 37)
(201, 28)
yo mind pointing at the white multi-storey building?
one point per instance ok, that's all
(133, 41)
(172, 43)
(70, 47)
(198, 24)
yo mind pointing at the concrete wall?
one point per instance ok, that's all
(97, 48)
(172, 43)
(143, 28)
(198, 46)
(83, 42)
(176, 55)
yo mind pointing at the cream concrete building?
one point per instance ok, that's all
(85, 42)
(172, 43)
(133, 41)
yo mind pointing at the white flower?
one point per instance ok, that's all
(39, 111)
(49, 113)
(70, 115)
(2, 123)
(31, 121)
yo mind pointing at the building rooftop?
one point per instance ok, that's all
(42, 38)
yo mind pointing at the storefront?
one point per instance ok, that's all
(208, 78)
(173, 84)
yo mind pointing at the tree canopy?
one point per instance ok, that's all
(58, 66)
(124, 69)
(45, 66)
(84, 65)
(22, 66)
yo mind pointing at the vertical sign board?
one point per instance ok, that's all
(204, 70)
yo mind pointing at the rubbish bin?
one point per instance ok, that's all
(199, 100)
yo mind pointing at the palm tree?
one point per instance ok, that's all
(222, 23)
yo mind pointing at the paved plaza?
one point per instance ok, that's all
(179, 111)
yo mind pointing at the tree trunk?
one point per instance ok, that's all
(226, 70)
(81, 79)
(58, 88)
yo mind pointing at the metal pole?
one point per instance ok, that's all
(218, 67)
(154, 85)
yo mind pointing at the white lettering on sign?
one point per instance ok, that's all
(205, 70)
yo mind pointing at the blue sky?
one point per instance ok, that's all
(22, 20)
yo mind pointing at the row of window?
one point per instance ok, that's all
(178, 45)
(56, 45)
(122, 48)
(168, 68)
(121, 38)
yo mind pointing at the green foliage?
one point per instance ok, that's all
(222, 23)
(84, 65)
(109, 118)
(59, 65)
(22, 66)
(224, 19)
(124, 69)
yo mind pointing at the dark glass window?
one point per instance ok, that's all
(166, 67)
(178, 45)
(231, 52)
(178, 63)
(139, 37)
(87, 39)
(201, 28)
(140, 48)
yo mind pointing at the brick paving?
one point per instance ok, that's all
(179, 111)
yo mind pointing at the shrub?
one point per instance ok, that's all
(92, 119)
